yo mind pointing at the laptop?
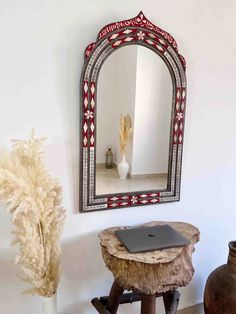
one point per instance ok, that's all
(144, 239)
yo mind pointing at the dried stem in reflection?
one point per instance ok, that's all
(125, 131)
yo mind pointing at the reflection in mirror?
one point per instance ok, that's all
(135, 82)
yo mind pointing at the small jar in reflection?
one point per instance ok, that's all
(109, 158)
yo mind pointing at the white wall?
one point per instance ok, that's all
(116, 94)
(42, 43)
(152, 118)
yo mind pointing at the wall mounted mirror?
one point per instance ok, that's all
(133, 71)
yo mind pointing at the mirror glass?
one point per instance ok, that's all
(136, 83)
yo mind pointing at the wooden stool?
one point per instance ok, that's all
(149, 274)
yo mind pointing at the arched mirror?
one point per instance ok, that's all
(133, 95)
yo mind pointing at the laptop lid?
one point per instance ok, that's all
(144, 239)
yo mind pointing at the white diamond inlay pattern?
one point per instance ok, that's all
(128, 39)
(159, 48)
(86, 87)
(114, 198)
(92, 89)
(177, 105)
(92, 127)
(117, 43)
(149, 41)
(85, 141)
(114, 36)
(128, 31)
(151, 35)
(92, 140)
(154, 200)
(161, 41)
(85, 127)
(86, 102)
(144, 201)
(114, 205)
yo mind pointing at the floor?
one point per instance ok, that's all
(197, 309)
(108, 182)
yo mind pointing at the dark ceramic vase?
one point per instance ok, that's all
(220, 290)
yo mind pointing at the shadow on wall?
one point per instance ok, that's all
(84, 275)
(11, 287)
(7, 270)
(191, 292)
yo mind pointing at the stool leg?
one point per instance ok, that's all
(114, 297)
(171, 301)
(148, 304)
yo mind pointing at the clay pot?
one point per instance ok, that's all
(220, 290)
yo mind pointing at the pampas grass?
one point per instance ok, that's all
(34, 200)
(125, 132)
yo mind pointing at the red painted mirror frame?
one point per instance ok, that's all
(136, 31)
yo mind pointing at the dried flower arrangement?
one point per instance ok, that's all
(34, 200)
(125, 132)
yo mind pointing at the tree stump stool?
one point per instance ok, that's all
(147, 274)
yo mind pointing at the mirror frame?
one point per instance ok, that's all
(138, 31)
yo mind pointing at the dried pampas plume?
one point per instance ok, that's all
(125, 132)
(34, 200)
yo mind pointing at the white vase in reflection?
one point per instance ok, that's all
(49, 305)
(123, 168)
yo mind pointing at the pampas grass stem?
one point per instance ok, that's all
(34, 200)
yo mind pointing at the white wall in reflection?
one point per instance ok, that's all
(152, 114)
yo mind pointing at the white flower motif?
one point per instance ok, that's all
(134, 199)
(141, 19)
(140, 35)
(88, 114)
(179, 116)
